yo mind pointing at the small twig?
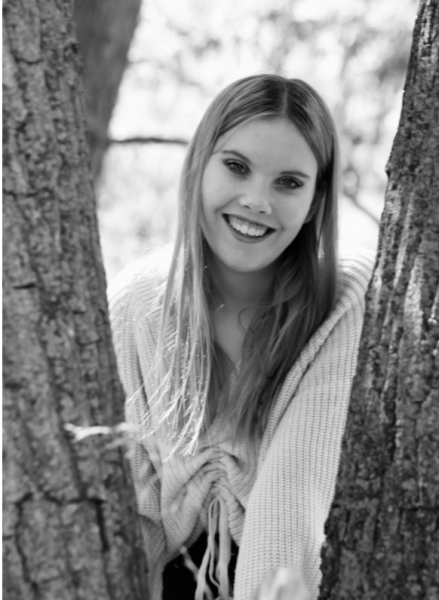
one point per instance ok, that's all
(80, 433)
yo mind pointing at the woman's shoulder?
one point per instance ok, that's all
(356, 266)
(141, 283)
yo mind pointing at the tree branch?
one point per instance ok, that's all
(361, 207)
(147, 140)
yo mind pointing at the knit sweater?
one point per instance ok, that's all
(276, 509)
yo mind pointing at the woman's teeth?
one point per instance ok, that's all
(247, 228)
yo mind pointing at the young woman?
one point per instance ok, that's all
(238, 357)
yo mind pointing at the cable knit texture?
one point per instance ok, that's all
(275, 510)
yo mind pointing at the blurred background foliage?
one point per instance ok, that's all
(354, 52)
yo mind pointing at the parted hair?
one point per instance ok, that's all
(192, 371)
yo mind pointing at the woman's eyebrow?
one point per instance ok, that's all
(296, 172)
(247, 160)
(238, 154)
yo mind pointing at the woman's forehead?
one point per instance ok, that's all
(271, 142)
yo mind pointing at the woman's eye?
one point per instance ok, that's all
(289, 183)
(236, 167)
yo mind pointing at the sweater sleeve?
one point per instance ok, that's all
(290, 501)
(126, 312)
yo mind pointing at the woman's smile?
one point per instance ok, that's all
(257, 191)
(247, 231)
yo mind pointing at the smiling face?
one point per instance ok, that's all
(257, 190)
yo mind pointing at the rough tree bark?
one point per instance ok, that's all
(383, 534)
(104, 30)
(69, 516)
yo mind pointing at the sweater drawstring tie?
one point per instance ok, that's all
(217, 556)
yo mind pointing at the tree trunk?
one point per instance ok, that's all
(104, 30)
(69, 515)
(383, 534)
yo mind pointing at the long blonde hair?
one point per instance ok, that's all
(190, 371)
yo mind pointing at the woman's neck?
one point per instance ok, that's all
(234, 291)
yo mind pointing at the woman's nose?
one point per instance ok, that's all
(256, 199)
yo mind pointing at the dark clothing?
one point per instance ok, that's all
(179, 582)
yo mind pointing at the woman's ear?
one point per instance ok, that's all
(318, 198)
(311, 213)
(313, 208)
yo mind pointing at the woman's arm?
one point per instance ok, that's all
(127, 314)
(289, 504)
